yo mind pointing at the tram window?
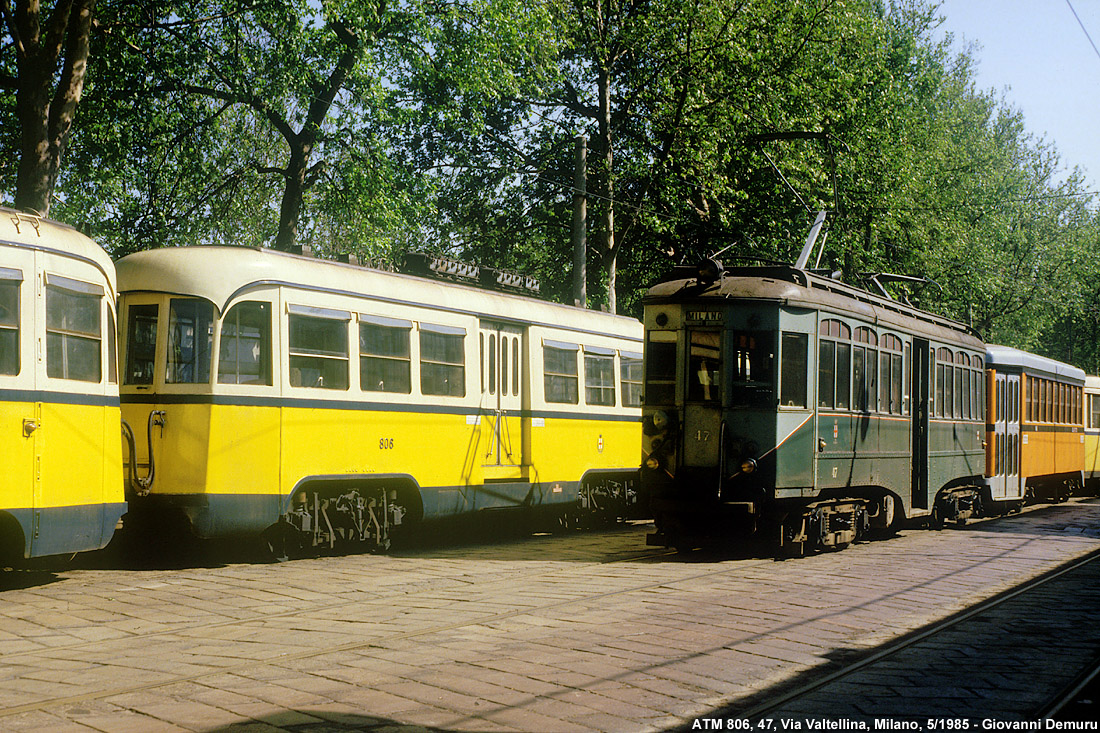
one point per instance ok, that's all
(630, 376)
(442, 361)
(559, 366)
(884, 383)
(752, 382)
(843, 375)
(705, 366)
(74, 323)
(1094, 411)
(318, 352)
(245, 351)
(504, 365)
(958, 392)
(895, 384)
(516, 366)
(112, 349)
(190, 340)
(660, 368)
(492, 363)
(794, 361)
(939, 390)
(141, 343)
(906, 381)
(949, 391)
(967, 393)
(826, 374)
(864, 379)
(385, 364)
(9, 322)
(599, 379)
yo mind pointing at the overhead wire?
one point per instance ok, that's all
(1083, 28)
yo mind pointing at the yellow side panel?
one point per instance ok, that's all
(76, 463)
(563, 450)
(16, 456)
(1052, 453)
(1069, 452)
(179, 448)
(244, 450)
(1092, 454)
(247, 450)
(436, 449)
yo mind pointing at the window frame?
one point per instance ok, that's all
(266, 377)
(441, 334)
(552, 379)
(302, 355)
(66, 338)
(10, 329)
(604, 360)
(367, 322)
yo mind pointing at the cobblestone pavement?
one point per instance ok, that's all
(565, 633)
(1004, 663)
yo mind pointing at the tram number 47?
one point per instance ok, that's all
(385, 444)
(702, 436)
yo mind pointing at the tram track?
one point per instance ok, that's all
(806, 699)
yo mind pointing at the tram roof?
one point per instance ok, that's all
(791, 286)
(1006, 356)
(221, 273)
(46, 235)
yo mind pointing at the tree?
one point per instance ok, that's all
(51, 51)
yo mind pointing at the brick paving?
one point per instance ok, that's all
(584, 632)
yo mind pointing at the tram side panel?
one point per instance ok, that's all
(584, 426)
(62, 488)
(326, 396)
(1092, 434)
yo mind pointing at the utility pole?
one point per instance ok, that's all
(580, 222)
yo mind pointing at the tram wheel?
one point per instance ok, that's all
(280, 542)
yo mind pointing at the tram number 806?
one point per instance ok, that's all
(385, 444)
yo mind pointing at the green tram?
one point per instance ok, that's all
(790, 406)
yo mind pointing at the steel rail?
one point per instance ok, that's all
(763, 709)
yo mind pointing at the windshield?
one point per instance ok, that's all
(751, 369)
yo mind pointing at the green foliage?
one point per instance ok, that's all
(451, 127)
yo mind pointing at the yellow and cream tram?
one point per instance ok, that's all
(61, 490)
(323, 403)
(1092, 434)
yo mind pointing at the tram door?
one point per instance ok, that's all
(19, 487)
(921, 392)
(502, 401)
(76, 357)
(1005, 483)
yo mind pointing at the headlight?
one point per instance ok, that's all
(748, 465)
(659, 419)
(652, 463)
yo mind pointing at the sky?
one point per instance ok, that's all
(1035, 54)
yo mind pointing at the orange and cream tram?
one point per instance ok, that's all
(1035, 431)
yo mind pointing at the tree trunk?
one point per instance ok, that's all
(46, 114)
(608, 250)
(290, 210)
